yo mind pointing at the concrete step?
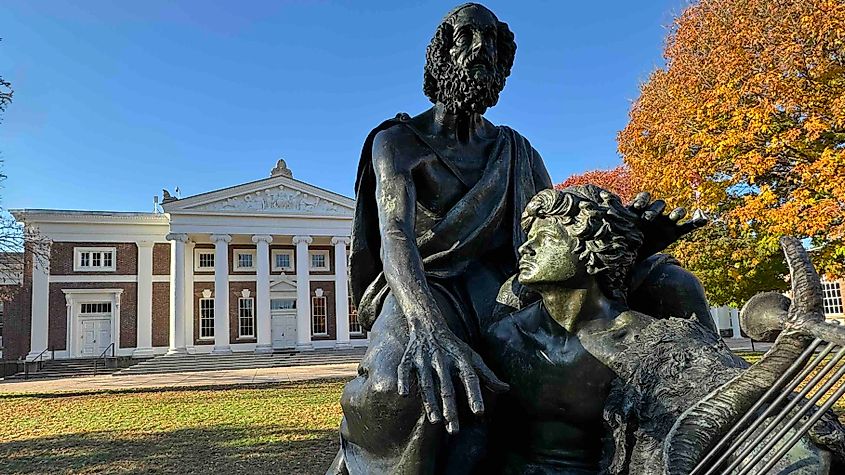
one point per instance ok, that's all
(234, 361)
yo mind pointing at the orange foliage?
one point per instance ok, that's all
(747, 121)
(617, 180)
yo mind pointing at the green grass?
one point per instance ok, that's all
(289, 430)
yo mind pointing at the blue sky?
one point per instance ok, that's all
(116, 100)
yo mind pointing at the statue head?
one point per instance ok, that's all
(468, 60)
(578, 233)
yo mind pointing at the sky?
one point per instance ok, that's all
(116, 100)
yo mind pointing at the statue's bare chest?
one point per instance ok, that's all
(442, 180)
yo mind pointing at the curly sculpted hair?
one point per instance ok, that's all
(437, 53)
(604, 230)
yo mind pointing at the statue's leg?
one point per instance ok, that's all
(383, 432)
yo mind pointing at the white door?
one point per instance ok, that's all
(96, 336)
(283, 318)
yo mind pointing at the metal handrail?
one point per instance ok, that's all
(103, 357)
(39, 362)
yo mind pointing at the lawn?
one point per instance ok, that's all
(290, 429)
(285, 430)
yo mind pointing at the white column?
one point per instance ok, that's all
(303, 293)
(177, 306)
(341, 292)
(189, 296)
(40, 318)
(144, 325)
(221, 293)
(735, 323)
(262, 293)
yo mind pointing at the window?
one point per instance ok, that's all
(94, 259)
(282, 304)
(282, 260)
(206, 318)
(246, 317)
(203, 259)
(354, 324)
(102, 308)
(832, 293)
(319, 315)
(244, 260)
(319, 260)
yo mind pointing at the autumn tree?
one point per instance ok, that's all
(618, 180)
(746, 121)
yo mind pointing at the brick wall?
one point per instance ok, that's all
(161, 258)
(331, 324)
(161, 313)
(61, 258)
(17, 314)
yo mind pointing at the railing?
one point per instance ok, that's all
(103, 357)
(38, 361)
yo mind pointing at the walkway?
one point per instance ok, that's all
(239, 377)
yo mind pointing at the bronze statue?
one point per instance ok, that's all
(662, 391)
(436, 232)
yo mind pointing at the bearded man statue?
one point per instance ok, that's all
(435, 235)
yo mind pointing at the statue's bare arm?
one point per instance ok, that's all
(434, 353)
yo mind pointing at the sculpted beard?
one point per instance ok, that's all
(460, 89)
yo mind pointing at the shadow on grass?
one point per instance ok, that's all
(189, 451)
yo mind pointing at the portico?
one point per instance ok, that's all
(246, 240)
(257, 267)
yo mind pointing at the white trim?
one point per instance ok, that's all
(236, 258)
(62, 279)
(203, 250)
(199, 307)
(277, 252)
(318, 252)
(77, 259)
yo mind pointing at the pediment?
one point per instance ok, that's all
(284, 284)
(272, 196)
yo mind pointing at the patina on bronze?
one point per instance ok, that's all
(669, 387)
(436, 232)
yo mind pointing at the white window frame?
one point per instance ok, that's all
(277, 252)
(77, 259)
(833, 303)
(241, 308)
(236, 259)
(292, 300)
(325, 304)
(318, 252)
(208, 309)
(197, 253)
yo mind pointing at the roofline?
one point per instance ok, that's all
(66, 215)
(164, 205)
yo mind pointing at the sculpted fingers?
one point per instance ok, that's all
(472, 387)
(641, 200)
(654, 210)
(447, 393)
(490, 380)
(403, 376)
(428, 393)
(677, 214)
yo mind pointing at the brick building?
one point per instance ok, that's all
(255, 267)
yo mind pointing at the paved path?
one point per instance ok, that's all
(219, 378)
(180, 380)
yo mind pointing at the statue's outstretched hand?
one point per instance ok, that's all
(437, 355)
(660, 229)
